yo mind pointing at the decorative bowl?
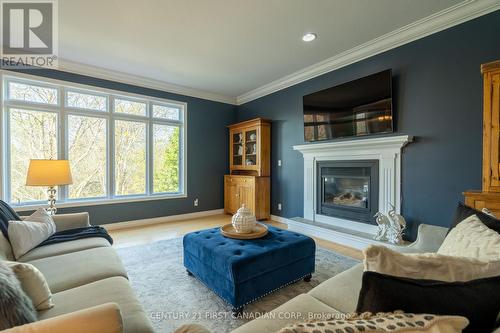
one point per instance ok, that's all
(244, 221)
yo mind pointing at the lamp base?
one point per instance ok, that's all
(52, 194)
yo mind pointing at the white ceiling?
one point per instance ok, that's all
(226, 47)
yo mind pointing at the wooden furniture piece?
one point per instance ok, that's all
(251, 191)
(489, 197)
(480, 200)
(250, 167)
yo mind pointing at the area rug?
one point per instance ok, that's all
(171, 298)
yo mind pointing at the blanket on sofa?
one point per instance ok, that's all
(6, 214)
(77, 233)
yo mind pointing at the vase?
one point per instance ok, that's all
(244, 221)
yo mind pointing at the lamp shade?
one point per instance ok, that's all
(49, 173)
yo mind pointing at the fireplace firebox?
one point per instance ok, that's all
(348, 189)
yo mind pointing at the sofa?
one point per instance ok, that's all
(89, 284)
(338, 294)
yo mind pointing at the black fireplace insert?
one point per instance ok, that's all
(348, 189)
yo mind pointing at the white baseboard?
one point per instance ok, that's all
(161, 219)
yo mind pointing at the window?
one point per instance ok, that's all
(166, 112)
(33, 135)
(86, 101)
(130, 157)
(120, 147)
(87, 156)
(31, 93)
(165, 158)
(130, 107)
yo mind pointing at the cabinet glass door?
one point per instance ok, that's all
(237, 149)
(251, 147)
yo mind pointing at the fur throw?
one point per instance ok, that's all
(15, 307)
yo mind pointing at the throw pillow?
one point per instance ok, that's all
(383, 322)
(430, 266)
(484, 215)
(476, 300)
(26, 235)
(472, 239)
(6, 214)
(15, 307)
(33, 283)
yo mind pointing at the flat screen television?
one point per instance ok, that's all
(357, 108)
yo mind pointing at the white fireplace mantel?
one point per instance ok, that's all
(387, 150)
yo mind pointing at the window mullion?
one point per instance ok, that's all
(63, 142)
(111, 149)
(7, 164)
(149, 158)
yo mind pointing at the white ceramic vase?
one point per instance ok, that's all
(244, 221)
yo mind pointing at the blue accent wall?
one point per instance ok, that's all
(207, 155)
(437, 98)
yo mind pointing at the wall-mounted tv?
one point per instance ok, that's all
(357, 108)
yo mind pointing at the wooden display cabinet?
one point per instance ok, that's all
(250, 168)
(489, 197)
(250, 147)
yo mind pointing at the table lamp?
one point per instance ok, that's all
(49, 173)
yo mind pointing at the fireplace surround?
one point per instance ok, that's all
(385, 151)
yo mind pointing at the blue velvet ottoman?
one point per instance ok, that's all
(241, 271)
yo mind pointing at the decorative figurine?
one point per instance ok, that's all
(383, 226)
(397, 227)
(390, 227)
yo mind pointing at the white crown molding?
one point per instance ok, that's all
(462, 12)
(111, 75)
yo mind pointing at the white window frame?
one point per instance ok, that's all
(110, 115)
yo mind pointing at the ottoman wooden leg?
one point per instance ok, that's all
(189, 273)
(308, 278)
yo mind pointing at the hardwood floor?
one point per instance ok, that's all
(168, 230)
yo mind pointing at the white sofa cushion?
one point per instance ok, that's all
(341, 291)
(472, 239)
(57, 249)
(80, 268)
(430, 266)
(26, 235)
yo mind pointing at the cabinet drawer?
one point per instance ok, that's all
(239, 180)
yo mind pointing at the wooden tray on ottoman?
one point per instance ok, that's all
(259, 231)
